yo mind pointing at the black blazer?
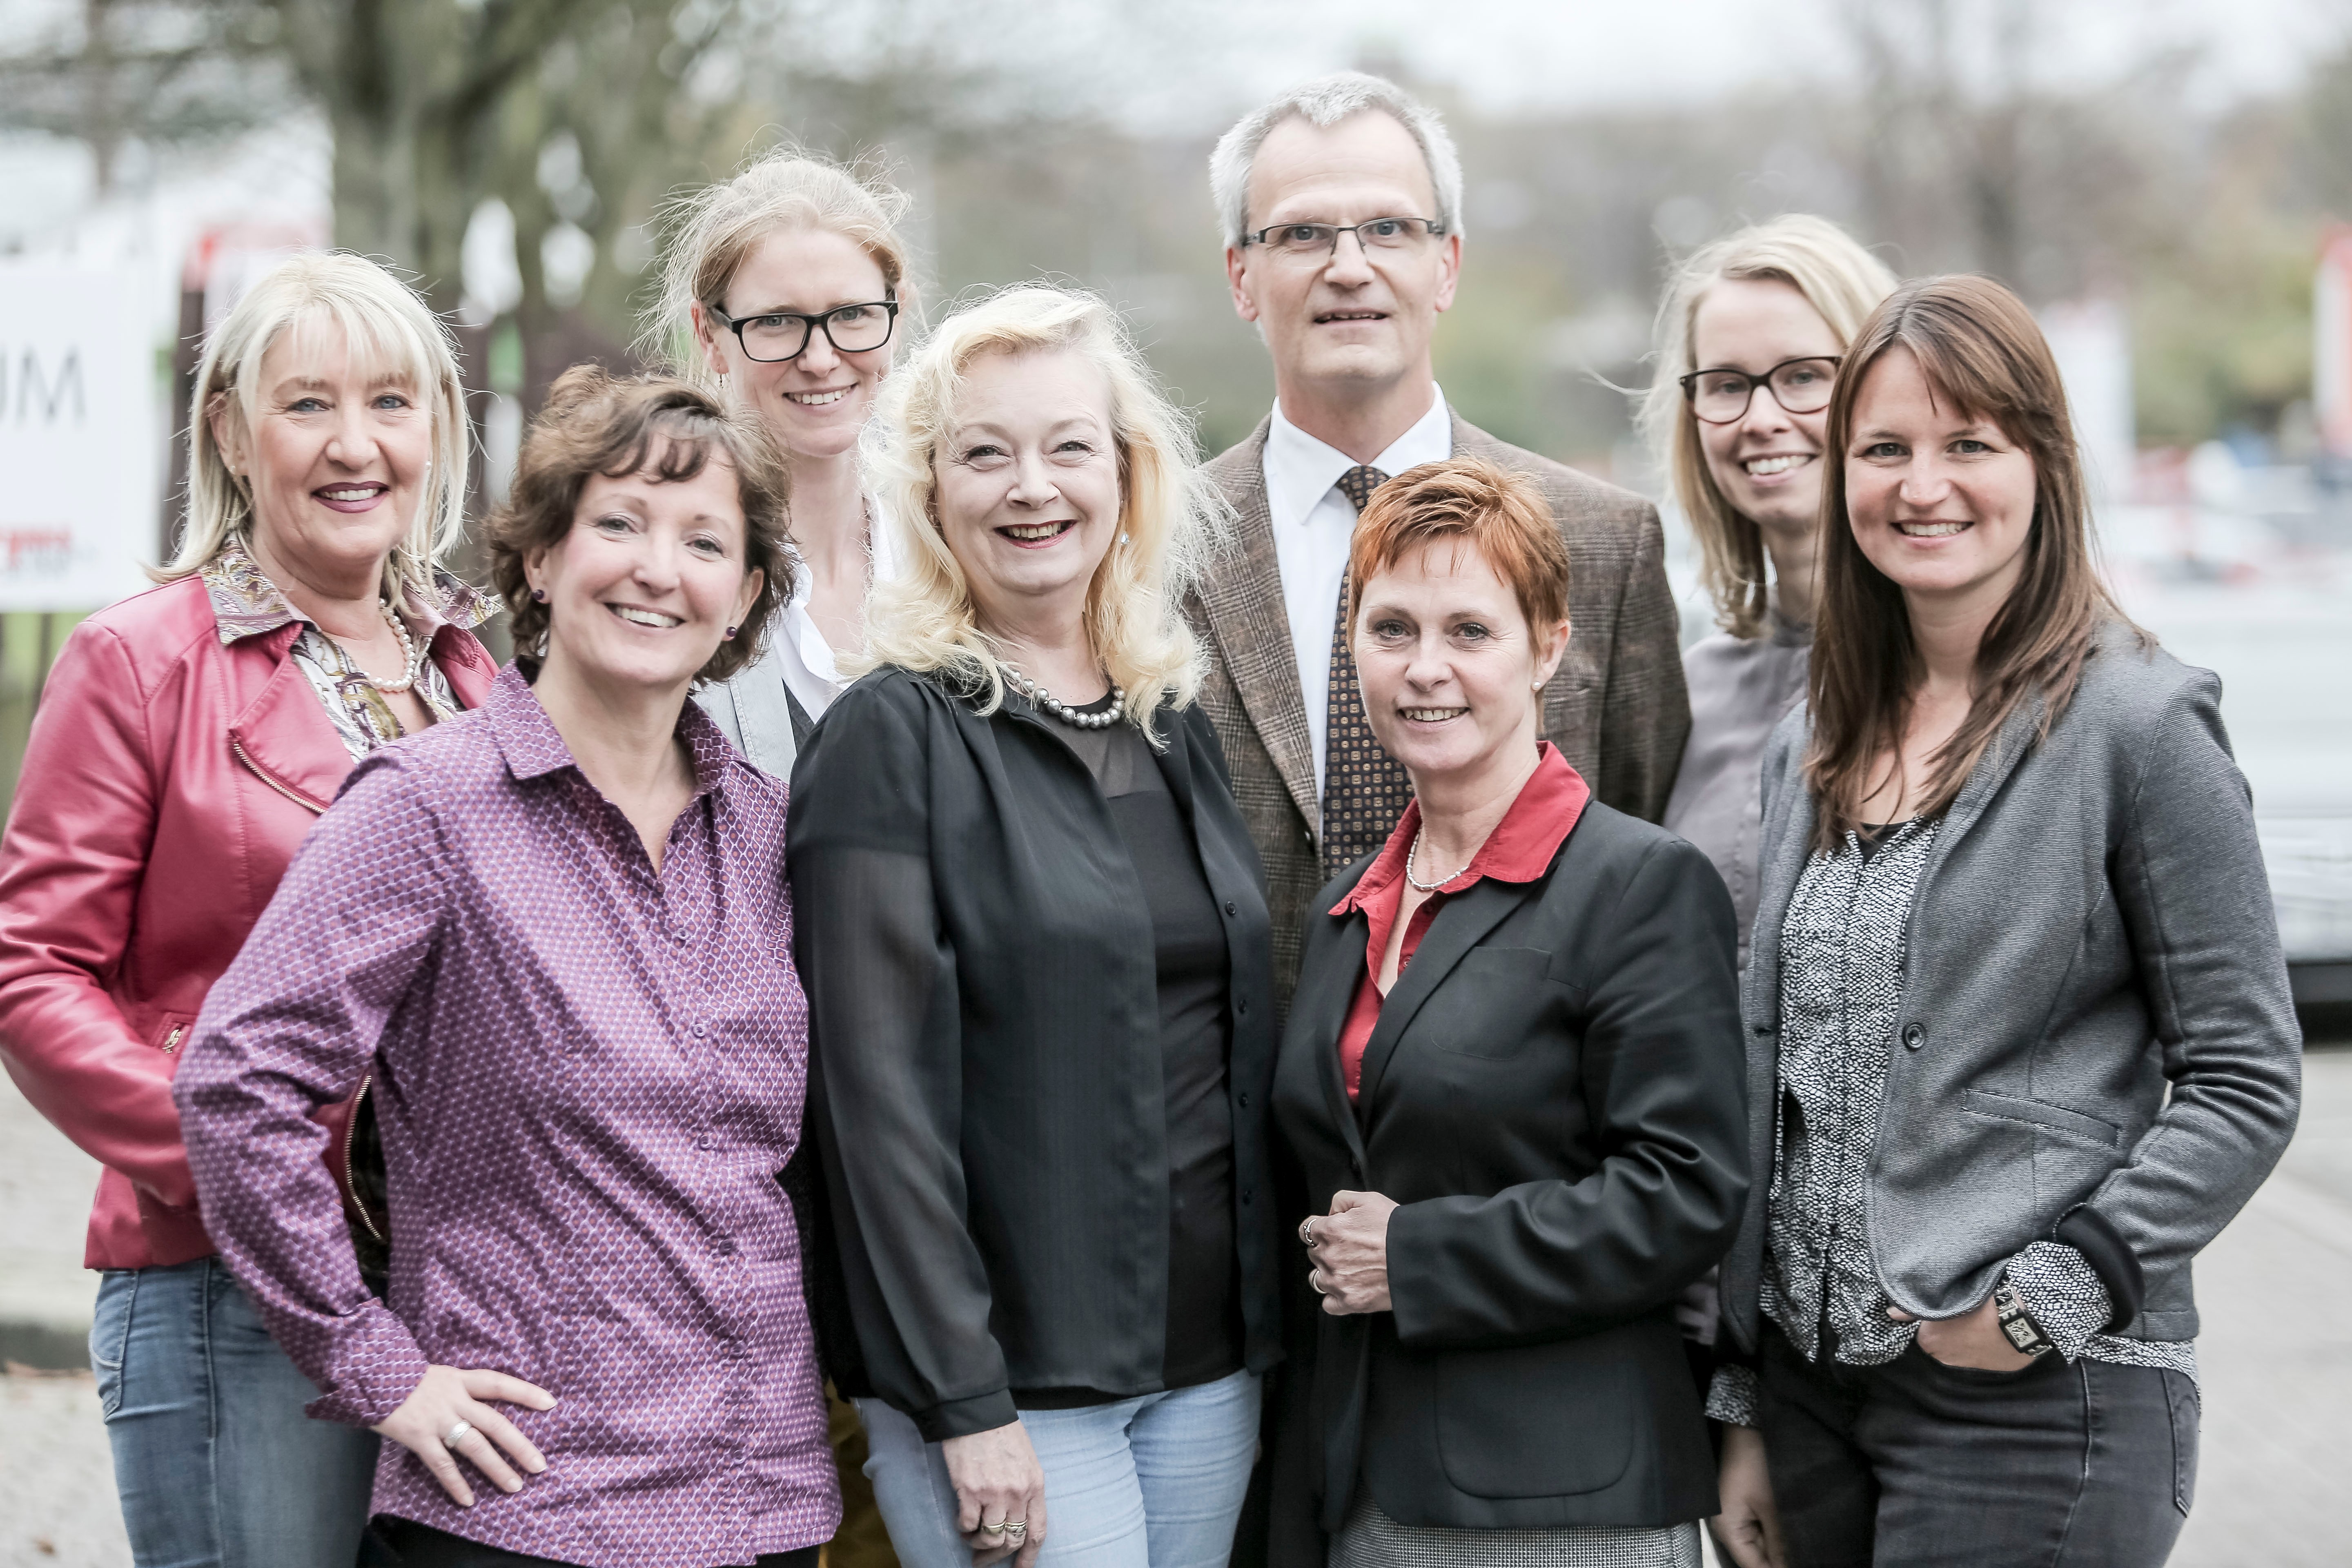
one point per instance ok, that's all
(1555, 1094)
(985, 1062)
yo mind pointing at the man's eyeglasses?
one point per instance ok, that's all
(1313, 241)
(1799, 386)
(774, 336)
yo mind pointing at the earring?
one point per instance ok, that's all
(539, 595)
(731, 631)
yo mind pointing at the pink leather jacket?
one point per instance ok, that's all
(169, 777)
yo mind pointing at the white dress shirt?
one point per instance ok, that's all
(810, 670)
(1314, 526)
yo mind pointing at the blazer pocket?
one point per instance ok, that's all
(2049, 1118)
(1549, 1420)
(1497, 995)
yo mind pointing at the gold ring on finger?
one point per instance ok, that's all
(999, 1528)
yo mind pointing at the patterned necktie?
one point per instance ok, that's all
(1364, 788)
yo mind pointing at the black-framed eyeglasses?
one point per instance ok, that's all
(1721, 396)
(1376, 236)
(773, 336)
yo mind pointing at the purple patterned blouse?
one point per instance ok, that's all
(588, 1076)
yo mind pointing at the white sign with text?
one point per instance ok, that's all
(79, 436)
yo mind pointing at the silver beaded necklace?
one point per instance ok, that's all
(1414, 854)
(1060, 710)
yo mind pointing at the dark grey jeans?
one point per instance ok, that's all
(1919, 1465)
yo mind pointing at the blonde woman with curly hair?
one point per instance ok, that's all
(1035, 944)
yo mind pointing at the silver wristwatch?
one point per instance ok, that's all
(2018, 1323)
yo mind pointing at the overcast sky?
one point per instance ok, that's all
(1568, 54)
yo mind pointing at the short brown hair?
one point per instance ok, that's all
(595, 423)
(1979, 349)
(1498, 513)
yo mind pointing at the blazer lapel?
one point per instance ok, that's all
(1319, 1012)
(1241, 592)
(284, 734)
(1462, 924)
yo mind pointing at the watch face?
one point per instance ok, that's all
(2020, 1334)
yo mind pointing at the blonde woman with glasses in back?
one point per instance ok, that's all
(1750, 334)
(785, 290)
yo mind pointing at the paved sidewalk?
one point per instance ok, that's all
(2276, 1351)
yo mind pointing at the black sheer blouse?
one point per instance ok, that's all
(1011, 1116)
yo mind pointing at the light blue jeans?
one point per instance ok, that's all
(1155, 1482)
(215, 1462)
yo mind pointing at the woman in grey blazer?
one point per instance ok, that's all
(2019, 1039)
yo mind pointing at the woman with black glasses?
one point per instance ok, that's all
(1750, 335)
(781, 292)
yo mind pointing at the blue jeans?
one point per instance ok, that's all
(215, 1464)
(1155, 1482)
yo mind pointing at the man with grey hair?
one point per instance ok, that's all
(1341, 203)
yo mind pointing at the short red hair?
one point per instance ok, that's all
(1498, 513)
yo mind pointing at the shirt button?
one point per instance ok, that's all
(1248, 1193)
(724, 1248)
(700, 1029)
(1244, 1099)
(1914, 1035)
(703, 1142)
(1232, 908)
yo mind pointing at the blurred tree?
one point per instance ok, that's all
(111, 73)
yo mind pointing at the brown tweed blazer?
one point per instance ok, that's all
(1617, 710)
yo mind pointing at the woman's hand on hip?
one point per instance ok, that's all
(1000, 1494)
(1972, 1341)
(1349, 1248)
(449, 1400)
(1747, 1530)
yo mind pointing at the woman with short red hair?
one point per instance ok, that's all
(1512, 1085)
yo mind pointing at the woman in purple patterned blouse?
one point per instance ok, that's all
(553, 931)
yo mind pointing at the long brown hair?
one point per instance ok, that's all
(1979, 347)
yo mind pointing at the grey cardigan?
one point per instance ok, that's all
(754, 714)
(2093, 928)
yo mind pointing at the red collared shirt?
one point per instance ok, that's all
(1520, 849)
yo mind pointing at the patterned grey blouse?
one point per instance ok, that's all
(1841, 990)
(246, 602)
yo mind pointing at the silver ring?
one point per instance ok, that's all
(456, 1434)
(1016, 1530)
(1315, 1277)
(1306, 1230)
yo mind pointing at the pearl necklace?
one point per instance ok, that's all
(1060, 710)
(411, 660)
(1414, 854)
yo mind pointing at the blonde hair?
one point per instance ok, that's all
(1843, 283)
(714, 230)
(384, 325)
(922, 618)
